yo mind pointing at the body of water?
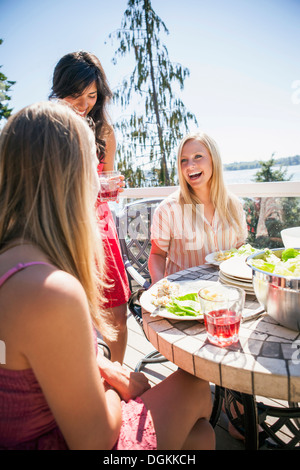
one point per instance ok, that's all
(231, 177)
(247, 176)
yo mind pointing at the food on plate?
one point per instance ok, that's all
(218, 293)
(187, 304)
(243, 251)
(166, 290)
(223, 255)
(167, 297)
(287, 265)
(215, 294)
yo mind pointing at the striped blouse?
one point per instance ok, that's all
(182, 235)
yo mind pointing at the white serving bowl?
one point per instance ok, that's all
(291, 237)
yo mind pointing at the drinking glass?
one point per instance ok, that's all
(109, 185)
(222, 308)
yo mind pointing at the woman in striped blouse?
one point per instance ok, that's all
(201, 217)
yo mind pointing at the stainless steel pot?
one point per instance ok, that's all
(279, 295)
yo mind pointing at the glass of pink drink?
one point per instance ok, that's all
(222, 308)
(109, 186)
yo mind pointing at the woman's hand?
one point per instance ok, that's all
(121, 184)
(129, 385)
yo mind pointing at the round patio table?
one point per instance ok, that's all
(264, 362)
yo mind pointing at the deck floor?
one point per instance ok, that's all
(138, 346)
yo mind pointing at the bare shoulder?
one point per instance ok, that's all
(49, 280)
(51, 306)
(51, 292)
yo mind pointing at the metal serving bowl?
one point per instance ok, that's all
(279, 295)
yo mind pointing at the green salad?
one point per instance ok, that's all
(184, 305)
(287, 265)
(244, 250)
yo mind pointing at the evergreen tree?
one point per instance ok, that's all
(266, 174)
(290, 209)
(5, 86)
(160, 118)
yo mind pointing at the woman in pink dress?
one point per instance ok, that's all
(55, 392)
(79, 80)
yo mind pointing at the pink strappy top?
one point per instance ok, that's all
(26, 421)
(17, 268)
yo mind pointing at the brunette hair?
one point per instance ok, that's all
(72, 75)
(227, 204)
(47, 170)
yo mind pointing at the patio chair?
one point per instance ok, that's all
(104, 348)
(133, 226)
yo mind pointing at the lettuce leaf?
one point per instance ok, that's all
(288, 265)
(289, 253)
(263, 265)
(183, 305)
(246, 249)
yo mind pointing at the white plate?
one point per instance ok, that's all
(186, 287)
(248, 288)
(211, 258)
(236, 268)
(236, 280)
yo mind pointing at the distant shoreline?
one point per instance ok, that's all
(287, 161)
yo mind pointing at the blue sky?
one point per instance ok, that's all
(243, 57)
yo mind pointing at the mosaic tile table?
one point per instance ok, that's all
(265, 361)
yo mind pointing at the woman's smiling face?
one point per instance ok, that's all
(196, 164)
(85, 102)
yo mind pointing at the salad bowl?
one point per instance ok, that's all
(276, 284)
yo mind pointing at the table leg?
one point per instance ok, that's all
(217, 405)
(250, 422)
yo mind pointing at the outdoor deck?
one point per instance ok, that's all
(138, 346)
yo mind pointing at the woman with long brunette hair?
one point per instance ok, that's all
(80, 81)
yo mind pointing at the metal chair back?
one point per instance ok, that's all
(134, 230)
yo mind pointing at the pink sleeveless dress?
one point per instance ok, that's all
(27, 423)
(118, 291)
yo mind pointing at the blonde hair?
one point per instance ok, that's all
(226, 203)
(46, 175)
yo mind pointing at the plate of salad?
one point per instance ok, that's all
(288, 264)
(218, 257)
(174, 300)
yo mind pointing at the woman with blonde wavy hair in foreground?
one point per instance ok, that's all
(56, 392)
(202, 217)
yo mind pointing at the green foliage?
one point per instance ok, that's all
(289, 208)
(289, 161)
(5, 86)
(267, 174)
(160, 118)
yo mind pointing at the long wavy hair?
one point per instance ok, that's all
(47, 170)
(226, 203)
(73, 73)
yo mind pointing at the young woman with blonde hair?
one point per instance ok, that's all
(201, 217)
(55, 391)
